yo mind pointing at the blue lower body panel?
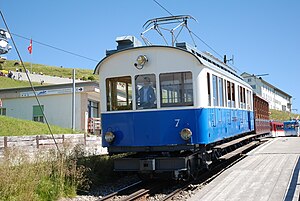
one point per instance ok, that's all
(162, 127)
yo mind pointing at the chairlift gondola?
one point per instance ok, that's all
(4, 37)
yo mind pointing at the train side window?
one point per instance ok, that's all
(242, 100)
(208, 89)
(239, 96)
(228, 94)
(176, 89)
(233, 95)
(215, 90)
(221, 95)
(119, 93)
(248, 101)
(225, 93)
(145, 87)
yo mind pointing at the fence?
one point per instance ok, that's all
(33, 144)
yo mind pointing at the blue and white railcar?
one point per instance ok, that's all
(198, 100)
(291, 128)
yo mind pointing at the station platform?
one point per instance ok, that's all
(269, 172)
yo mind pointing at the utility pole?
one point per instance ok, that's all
(73, 101)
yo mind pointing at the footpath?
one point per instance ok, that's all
(270, 172)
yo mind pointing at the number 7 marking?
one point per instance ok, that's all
(177, 122)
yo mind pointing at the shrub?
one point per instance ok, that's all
(46, 177)
(92, 78)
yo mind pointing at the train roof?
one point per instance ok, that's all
(204, 58)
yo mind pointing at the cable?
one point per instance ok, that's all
(163, 7)
(38, 101)
(56, 48)
(221, 57)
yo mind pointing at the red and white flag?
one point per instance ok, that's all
(30, 47)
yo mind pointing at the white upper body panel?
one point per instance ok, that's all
(163, 59)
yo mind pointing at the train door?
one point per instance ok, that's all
(249, 120)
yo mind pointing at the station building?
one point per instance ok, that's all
(278, 99)
(56, 102)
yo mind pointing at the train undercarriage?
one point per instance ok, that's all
(184, 162)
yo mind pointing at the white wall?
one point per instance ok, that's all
(276, 101)
(57, 108)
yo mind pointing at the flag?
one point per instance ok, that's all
(30, 47)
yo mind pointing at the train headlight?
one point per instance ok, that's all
(141, 60)
(109, 137)
(186, 134)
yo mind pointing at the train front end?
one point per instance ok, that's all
(148, 105)
(165, 104)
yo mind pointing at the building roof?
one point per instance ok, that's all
(54, 89)
(52, 86)
(246, 75)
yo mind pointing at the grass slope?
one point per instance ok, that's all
(282, 116)
(17, 127)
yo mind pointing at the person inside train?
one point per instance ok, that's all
(147, 94)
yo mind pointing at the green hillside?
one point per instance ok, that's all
(18, 127)
(282, 116)
(83, 74)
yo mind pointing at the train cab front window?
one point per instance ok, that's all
(119, 93)
(176, 89)
(145, 87)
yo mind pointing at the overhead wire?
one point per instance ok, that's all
(56, 48)
(31, 85)
(221, 57)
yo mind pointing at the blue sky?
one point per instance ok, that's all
(263, 35)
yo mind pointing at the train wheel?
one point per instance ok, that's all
(190, 174)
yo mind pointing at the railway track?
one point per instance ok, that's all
(215, 169)
(167, 191)
(138, 191)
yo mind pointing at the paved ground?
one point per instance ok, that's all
(270, 172)
(43, 78)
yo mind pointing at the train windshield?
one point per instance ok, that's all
(145, 87)
(119, 93)
(176, 89)
(291, 125)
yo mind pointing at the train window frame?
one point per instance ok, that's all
(176, 89)
(233, 95)
(145, 82)
(230, 86)
(208, 89)
(242, 97)
(225, 92)
(112, 103)
(221, 92)
(215, 93)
